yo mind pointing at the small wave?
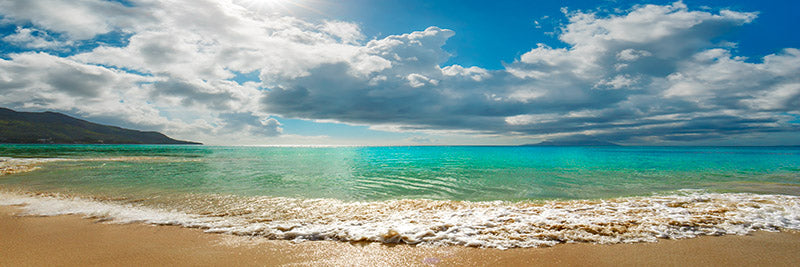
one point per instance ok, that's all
(19, 165)
(497, 224)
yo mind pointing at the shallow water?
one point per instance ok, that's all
(476, 196)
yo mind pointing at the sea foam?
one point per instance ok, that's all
(497, 224)
(19, 165)
(10, 165)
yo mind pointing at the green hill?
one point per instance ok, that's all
(57, 128)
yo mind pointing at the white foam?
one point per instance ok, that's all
(18, 165)
(435, 223)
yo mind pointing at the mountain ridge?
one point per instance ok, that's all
(57, 128)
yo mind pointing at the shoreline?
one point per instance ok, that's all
(73, 240)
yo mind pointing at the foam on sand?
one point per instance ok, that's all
(498, 224)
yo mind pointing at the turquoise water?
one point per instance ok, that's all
(495, 197)
(381, 173)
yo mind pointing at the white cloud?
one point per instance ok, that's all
(784, 97)
(41, 81)
(346, 32)
(528, 119)
(632, 54)
(664, 65)
(618, 82)
(271, 127)
(43, 74)
(33, 38)
(418, 80)
(80, 19)
(475, 73)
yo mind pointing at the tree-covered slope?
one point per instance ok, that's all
(52, 127)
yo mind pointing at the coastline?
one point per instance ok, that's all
(72, 240)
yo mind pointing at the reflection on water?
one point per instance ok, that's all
(381, 173)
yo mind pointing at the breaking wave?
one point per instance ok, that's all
(20, 165)
(496, 224)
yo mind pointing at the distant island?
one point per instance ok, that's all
(573, 143)
(56, 128)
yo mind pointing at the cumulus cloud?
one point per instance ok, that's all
(234, 123)
(654, 73)
(178, 62)
(651, 74)
(475, 73)
(45, 76)
(36, 39)
(82, 19)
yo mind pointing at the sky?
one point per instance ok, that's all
(413, 72)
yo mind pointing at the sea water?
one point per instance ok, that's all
(484, 196)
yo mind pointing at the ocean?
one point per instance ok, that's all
(481, 196)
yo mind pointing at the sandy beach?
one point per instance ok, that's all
(72, 240)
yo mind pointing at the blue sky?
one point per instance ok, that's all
(358, 72)
(491, 32)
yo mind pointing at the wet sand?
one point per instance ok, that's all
(72, 240)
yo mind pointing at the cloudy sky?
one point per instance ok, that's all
(394, 72)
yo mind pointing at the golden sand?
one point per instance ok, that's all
(71, 240)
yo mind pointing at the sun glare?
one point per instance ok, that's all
(271, 2)
(274, 6)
